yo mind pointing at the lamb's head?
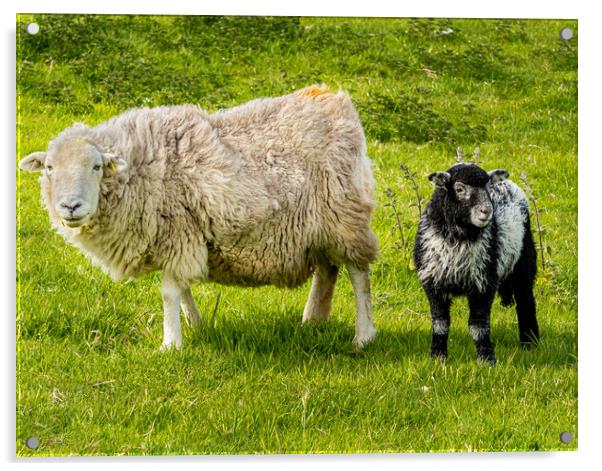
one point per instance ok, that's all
(466, 190)
(71, 173)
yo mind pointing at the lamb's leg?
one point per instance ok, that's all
(172, 331)
(523, 279)
(190, 309)
(364, 329)
(525, 312)
(319, 302)
(479, 325)
(440, 319)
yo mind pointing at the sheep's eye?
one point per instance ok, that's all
(96, 167)
(49, 168)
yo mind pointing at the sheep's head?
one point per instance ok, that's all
(466, 188)
(72, 170)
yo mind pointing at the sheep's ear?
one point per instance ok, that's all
(498, 175)
(441, 179)
(114, 162)
(33, 162)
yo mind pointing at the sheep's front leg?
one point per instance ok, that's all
(440, 304)
(172, 330)
(479, 325)
(364, 329)
(189, 307)
(319, 303)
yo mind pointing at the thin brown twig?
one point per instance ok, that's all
(392, 205)
(411, 177)
(459, 155)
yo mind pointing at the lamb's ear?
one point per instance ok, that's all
(441, 179)
(114, 162)
(33, 162)
(498, 175)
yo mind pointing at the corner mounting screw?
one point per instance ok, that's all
(566, 33)
(566, 437)
(33, 28)
(32, 443)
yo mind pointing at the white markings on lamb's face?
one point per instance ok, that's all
(476, 202)
(72, 170)
(472, 201)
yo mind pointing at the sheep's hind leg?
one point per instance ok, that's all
(319, 302)
(172, 330)
(190, 309)
(364, 329)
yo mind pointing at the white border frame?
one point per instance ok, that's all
(590, 322)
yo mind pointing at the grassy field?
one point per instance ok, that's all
(90, 379)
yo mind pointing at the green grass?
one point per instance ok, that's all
(252, 379)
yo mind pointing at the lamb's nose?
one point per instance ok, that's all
(71, 207)
(486, 211)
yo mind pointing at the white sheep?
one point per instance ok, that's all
(268, 192)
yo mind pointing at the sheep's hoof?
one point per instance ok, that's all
(170, 346)
(360, 341)
(193, 318)
(314, 320)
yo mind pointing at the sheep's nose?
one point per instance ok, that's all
(71, 207)
(486, 211)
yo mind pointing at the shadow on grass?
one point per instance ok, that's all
(282, 334)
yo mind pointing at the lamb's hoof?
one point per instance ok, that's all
(439, 355)
(360, 341)
(529, 341)
(488, 359)
(529, 345)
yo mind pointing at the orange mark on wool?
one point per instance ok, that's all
(314, 91)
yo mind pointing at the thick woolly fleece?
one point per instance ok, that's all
(454, 257)
(268, 192)
(251, 195)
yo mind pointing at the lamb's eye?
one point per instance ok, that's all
(49, 168)
(97, 167)
(461, 191)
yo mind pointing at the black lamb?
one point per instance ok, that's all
(474, 239)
